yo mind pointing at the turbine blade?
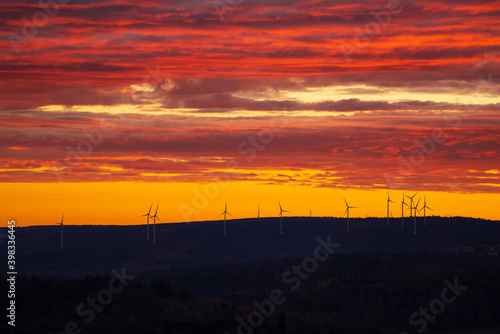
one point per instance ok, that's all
(229, 214)
(157, 208)
(150, 208)
(346, 211)
(345, 202)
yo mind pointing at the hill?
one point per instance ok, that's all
(99, 249)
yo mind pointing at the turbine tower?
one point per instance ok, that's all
(402, 211)
(148, 215)
(155, 217)
(281, 217)
(415, 218)
(411, 202)
(62, 232)
(310, 213)
(388, 201)
(347, 211)
(258, 211)
(425, 207)
(225, 213)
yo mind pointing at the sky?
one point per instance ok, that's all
(109, 106)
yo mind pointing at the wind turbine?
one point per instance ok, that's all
(148, 215)
(425, 207)
(154, 223)
(258, 211)
(388, 201)
(225, 213)
(402, 210)
(347, 211)
(415, 217)
(310, 213)
(62, 232)
(411, 202)
(281, 217)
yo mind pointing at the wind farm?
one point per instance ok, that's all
(376, 123)
(413, 209)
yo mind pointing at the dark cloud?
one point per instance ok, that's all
(92, 53)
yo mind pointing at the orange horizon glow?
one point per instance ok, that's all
(123, 203)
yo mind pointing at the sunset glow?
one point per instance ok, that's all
(113, 105)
